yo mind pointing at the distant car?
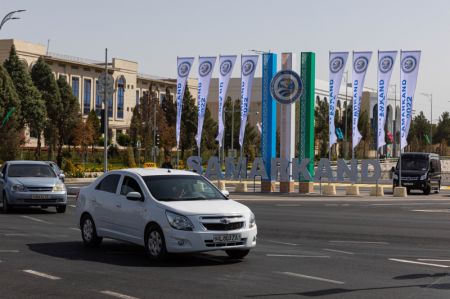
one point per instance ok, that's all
(31, 183)
(57, 170)
(164, 211)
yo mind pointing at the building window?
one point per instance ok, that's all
(98, 100)
(87, 97)
(76, 87)
(137, 98)
(120, 97)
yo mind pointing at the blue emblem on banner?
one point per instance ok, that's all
(183, 69)
(204, 68)
(409, 64)
(360, 64)
(248, 67)
(225, 67)
(386, 64)
(286, 87)
(336, 64)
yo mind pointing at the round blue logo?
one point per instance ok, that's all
(225, 67)
(286, 87)
(336, 64)
(248, 67)
(386, 64)
(409, 64)
(360, 65)
(183, 69)
(205, 68)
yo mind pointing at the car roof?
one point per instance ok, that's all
(27, 162)
(153, 171)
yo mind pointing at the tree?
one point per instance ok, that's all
(43, 79)
(228, 121)
(321, 127)
(418, 130)
(170, 109)
(443, 128)
(68, 120)
(366, 134)
(10, 129)
(188, 123)
(33, 110)
(95, 123)
(83, 136)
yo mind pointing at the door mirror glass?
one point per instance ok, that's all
(135, 196)
(225, 193)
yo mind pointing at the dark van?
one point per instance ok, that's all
(420, 171)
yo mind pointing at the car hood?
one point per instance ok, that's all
(205, 207)
(35, 181)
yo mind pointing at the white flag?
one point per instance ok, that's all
(226, 64)
(386, 61)
(205, 69)
(248, 67)
(338, 60)
(360, 63)
(184, 65)
(409, 69)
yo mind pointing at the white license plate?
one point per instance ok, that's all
(408, 184)
(40, 196)
(227, 238)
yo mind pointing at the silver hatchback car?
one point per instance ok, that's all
(31, 183)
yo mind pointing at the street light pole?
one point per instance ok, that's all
(232, 126)
(10, 16)
(346, 112)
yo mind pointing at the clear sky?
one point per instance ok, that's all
(154, 33)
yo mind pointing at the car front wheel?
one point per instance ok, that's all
(155, 244)
(89, 232)
(6, 206)
(237, 254)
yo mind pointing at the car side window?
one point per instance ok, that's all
(109, 183)
(130, 185)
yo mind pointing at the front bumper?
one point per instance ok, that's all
(417, 184)
(37, 198)
(178, 241)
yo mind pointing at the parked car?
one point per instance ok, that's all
(165, 211)
(31, 183)
(420, 171)
(57, 170)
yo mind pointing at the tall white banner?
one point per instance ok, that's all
(184, 65)
(226, 65)
(205, 69)
(248, 67)
(386, 61)
(338, 60)
(360, 64)
(409, 69)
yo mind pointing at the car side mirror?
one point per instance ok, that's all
(225, 193)
(134, 196)
(393, 169)
(62, 176)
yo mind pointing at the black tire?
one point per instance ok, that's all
(89, 232)
(155, 244)
(237, 254)
(61, 209)
(427, 190)
(6, 206)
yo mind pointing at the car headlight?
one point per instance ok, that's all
(395, 176)
(178, 221)
(252, 222)
(59, 187)
(17, 187)
(423, 177)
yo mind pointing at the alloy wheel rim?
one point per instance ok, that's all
(87, 230)
(155, 243)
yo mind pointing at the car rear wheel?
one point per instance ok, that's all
(237, 254)
(155, 244)
(61, 209)
(6, 206)
(89, 232)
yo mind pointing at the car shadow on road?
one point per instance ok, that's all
(29, 210)
(125, 254)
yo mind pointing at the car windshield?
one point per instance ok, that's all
(30, 170)
(409, 163)
(181, 188)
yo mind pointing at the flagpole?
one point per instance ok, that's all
(401, 149)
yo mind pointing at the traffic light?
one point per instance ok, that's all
(157, 139)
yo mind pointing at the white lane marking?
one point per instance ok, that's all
(359, 242)
(9, 251)
(40, 274)
(433, 211)
(312, 277)
(72, 206)
(410, 204)
(418, 263)
(287, 205)
(117, 295)
(338, 251)
(34, 219)
(282, 243)
(16, 235)
(298, 255)
(433, 260)
(74, 228)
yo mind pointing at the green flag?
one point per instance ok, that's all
(8, 115)
(427, 139)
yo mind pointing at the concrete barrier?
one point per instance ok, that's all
(400, 192)
(241, 187)
(352, 190)
(377, 191)
(329, 190)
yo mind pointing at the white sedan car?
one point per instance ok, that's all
(165, 211)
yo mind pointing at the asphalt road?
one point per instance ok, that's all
(308, 247)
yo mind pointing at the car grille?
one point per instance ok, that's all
(40, 189)
(223, 227)
(222, 223)
(210, 243)
(409, 178)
